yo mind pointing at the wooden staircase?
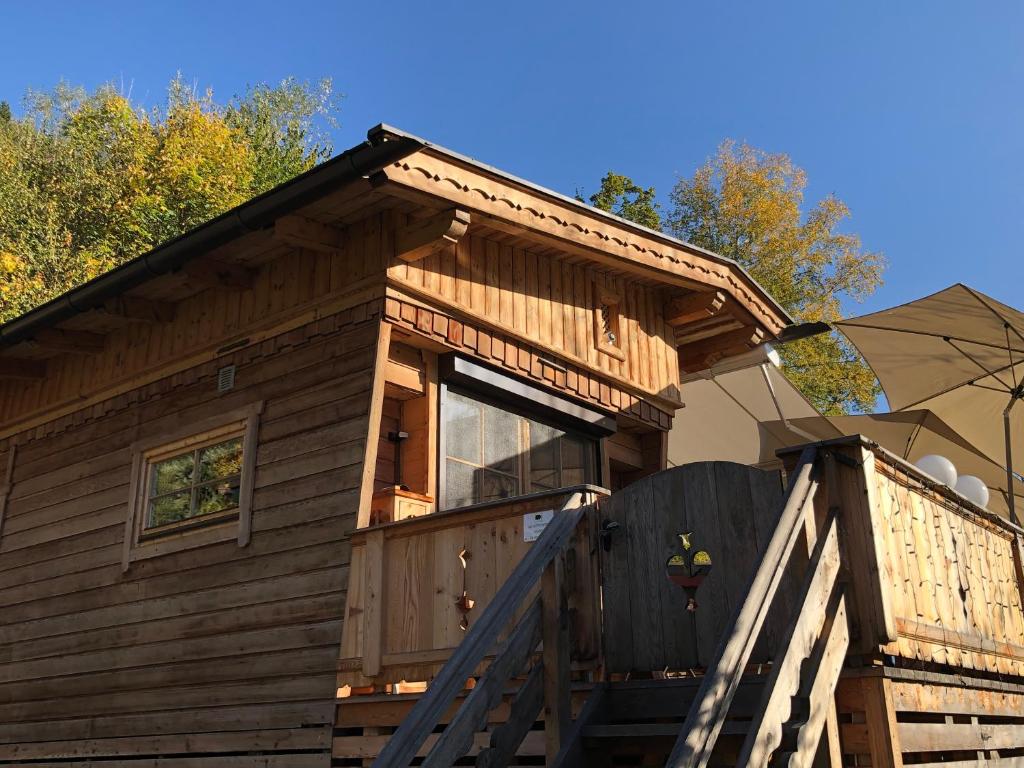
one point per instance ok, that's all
(725, 717)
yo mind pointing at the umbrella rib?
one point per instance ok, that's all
(944, 336)
(981, 299)
(990, 389)
(985, 370)
(947, 390)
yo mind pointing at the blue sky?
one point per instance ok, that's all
(910, 112)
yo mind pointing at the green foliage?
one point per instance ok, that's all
(619, 195)
(90, 180)
(747, 205)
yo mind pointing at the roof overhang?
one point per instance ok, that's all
(408, 168)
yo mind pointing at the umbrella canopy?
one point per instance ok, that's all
(911, 435)
(958, 353)
(734, 412)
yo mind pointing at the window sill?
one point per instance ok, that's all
(179, 539)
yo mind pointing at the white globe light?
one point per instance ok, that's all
(939, 467)
(974, 489)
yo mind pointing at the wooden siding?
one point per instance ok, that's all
(219, 649)
(519, 358)
(549, 303)
(295, 288)
(957, 593)
(574, 229)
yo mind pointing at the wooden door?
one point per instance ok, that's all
(730, 511)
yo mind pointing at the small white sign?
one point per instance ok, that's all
(535, 523)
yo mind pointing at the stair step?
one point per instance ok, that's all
(623, 730)
(652, 699)
(654, 730)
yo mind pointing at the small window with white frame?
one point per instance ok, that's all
(194, 488)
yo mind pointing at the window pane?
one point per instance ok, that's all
(462, 427)
(498, 486)
(171, 474)
(459, 484)
(216, 497)
(221, 460)
(544, 456)
(170, 509)
(501, 440)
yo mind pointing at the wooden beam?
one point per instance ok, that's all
(419, 239)
(306, 233)
(880, 718)
(218, 274)
(696, 306)
(137, 309)
(707, 352)
(21, 369)
(60, 340)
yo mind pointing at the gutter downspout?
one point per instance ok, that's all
(381, 148)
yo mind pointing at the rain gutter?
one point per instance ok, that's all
(381, 148)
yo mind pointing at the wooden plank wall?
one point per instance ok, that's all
(954, 579)
(218, 650)
(731, 511)
(282, 288)
(549, 302)
(930, 720)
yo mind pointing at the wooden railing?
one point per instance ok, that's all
(547, 679)
(418, 585)
(953, 577)
(892, 565)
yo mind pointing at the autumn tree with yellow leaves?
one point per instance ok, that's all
(748, 205)
(90, 180)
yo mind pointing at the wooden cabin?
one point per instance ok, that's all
(371, 470)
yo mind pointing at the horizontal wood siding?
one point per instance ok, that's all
(549, 302)
(219, 649)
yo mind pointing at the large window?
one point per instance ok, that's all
(491, 453)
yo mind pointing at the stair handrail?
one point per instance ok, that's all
(481, 637)
(708, 712)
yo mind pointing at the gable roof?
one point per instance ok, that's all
(384, 147)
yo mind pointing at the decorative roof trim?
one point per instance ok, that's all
(469, 187)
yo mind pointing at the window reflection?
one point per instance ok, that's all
(494, 454)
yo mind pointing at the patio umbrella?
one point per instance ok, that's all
(737, 411)
(958, 353)
(911, 435)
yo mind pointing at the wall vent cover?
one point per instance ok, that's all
(226, 378)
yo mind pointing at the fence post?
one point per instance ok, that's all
(557, 680)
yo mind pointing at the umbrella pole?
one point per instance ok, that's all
(1011, 497)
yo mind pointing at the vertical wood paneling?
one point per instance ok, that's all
(952, 572)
